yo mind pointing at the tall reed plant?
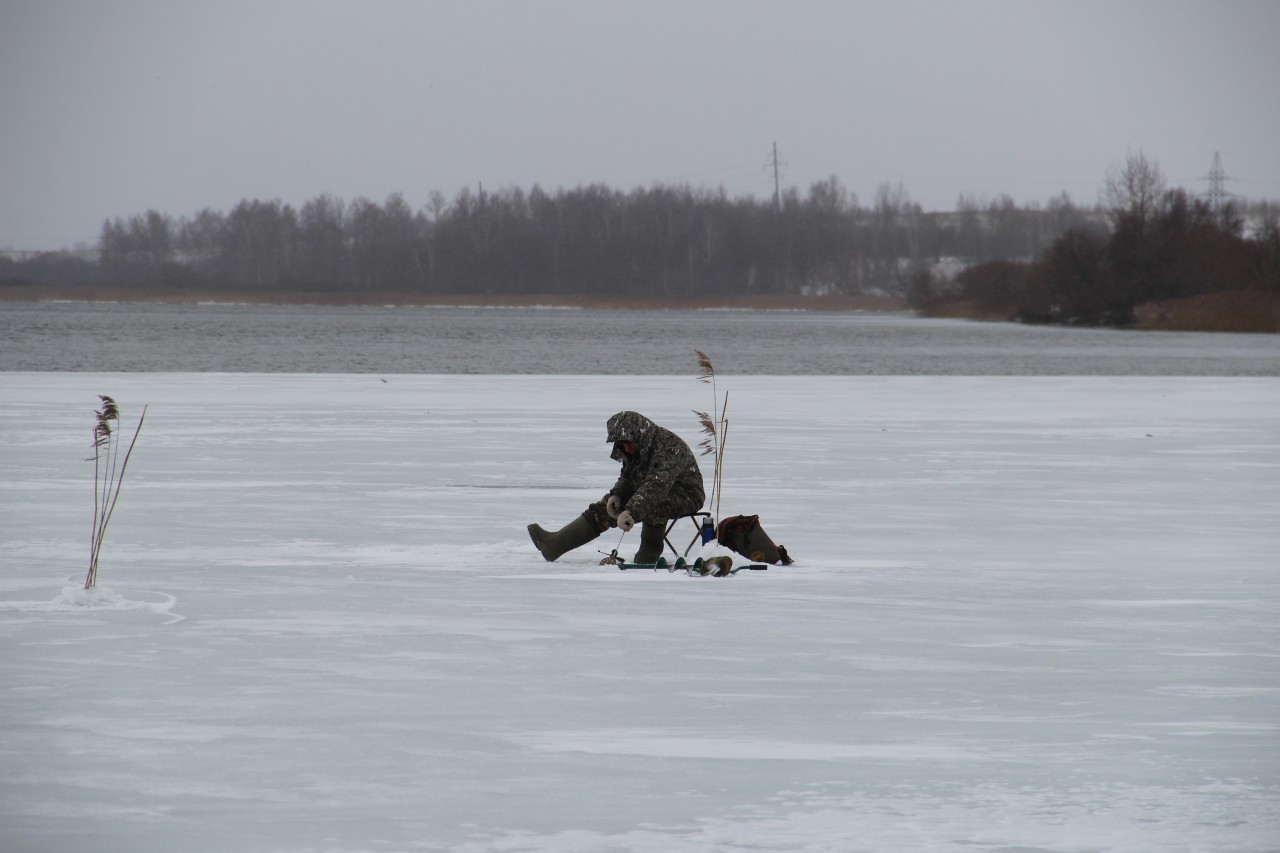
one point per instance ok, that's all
(715, 428)
(108, 475)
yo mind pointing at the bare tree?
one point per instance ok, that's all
(1134, 191)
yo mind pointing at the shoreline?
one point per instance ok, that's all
(1241, 312)
(176, 296)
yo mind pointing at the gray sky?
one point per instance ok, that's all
(111, 107)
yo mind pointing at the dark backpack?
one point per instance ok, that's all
(744, 535)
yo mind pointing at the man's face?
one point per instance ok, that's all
(630, 448)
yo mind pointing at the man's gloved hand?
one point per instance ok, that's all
(613, 506)
(625, 521)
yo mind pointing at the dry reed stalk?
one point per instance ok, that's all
(108, 476)
(715, 427)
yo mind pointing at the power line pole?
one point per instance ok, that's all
(1217, 179)
(780, 245)
(777, 191)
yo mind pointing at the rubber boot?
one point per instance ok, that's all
(576, 533)
(652, 537)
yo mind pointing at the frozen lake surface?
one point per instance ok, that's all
(1029, 614)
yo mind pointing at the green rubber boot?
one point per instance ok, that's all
(576, 533)
(652, 537)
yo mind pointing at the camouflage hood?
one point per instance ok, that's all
(633, 427)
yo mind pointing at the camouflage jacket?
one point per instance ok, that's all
(662, 479)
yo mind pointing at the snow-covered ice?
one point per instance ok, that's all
(1029, 614)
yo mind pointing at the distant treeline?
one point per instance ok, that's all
(1058, 262)
(662, 241)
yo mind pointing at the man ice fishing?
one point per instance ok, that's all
(660, 480)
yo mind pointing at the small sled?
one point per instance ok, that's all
(719, 567)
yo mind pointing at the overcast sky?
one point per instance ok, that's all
(113, 107)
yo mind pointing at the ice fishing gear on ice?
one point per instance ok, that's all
(744, 535)
(719, 567)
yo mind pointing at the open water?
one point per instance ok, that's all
(150, 337)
